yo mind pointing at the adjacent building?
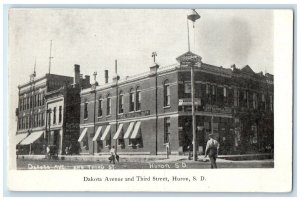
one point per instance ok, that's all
(147, 113)
(49, 112)
(31, 111)
(63, 114)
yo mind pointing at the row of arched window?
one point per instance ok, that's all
(135, 101)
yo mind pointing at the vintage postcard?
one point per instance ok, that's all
(150, 100)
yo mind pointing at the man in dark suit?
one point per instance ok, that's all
(212, 150)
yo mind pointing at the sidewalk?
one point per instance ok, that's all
(156, 158)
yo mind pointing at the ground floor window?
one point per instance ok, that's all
(135, 142)
(121, 142)
(167, 125)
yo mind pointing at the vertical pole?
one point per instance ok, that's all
(156, 116)
(94, 118)
(45, 135)
(188, 32)
(117, 101)
(49, 124)
(193, 114)
(212, 123)
(50, 57)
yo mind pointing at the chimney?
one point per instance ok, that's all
(77, 74)
(87, 79)
(106, 76)
(154, 68)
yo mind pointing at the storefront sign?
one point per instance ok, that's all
(189, 57)
(134, 114)
(213, 108)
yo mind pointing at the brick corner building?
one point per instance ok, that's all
(146, 113)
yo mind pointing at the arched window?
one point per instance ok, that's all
(108, 105)
(85, 113)
(167, 93)
(131, 100)
(121, 102)
(138, 98)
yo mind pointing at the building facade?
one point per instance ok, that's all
(63, 115)
(147, 113)
(31, 111)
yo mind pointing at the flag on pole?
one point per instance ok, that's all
(193, 15)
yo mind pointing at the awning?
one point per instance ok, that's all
(136, 133)
(117, 135)
(32, 138)
(97, 133)
(82, 134)
(19, 138)
(105, 134)
(129, 129)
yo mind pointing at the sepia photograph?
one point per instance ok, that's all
(166, 90)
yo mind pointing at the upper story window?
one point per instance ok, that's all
(207, 89)
(236, 97)
(86, 112)
(60, 114)
(42, 119)
(121, 102)
(138, 98)
(254, 101)
(245, 95)
(213, 90)
(187, 87)
(108, 106)
(100, 111)
(131, 100)
(263, 98)
(271, 103)
(43, 99)
(225, 92)
(167, 93)
(20, 104)
(30, 101)
(39, 100)
(54, 115)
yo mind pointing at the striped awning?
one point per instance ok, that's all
(82, 134)
(129, 130)
(97, 133)
(32, 138)
(117, 135)
(20, 137)
(105, 134)
(136, 132)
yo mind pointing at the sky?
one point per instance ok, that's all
(95, 38)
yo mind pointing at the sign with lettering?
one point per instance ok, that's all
(214, 108)
(189, 57)
(134, 114)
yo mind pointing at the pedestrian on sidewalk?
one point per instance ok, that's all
(112, 157)
(212, 150)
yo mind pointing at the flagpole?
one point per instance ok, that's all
(188, 31)
(193, 17)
